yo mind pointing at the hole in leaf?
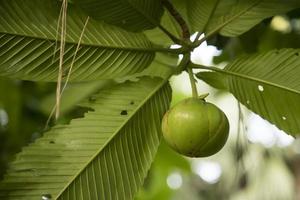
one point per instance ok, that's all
(46, 196)
(261, 88)
(283, 118)
(52, 142)
(124, 112)
(132, 102)
(297, 54)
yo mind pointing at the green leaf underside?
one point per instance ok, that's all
(268, 84)
(162, 66)
(158, 37)
(234, 17)
(72, 95)
(105, 155)
(134, 15)
(28, 31)
(216, 80)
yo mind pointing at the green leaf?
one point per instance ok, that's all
(201, 12)
(105, 155)
(73, 94)
(268, 84)
(216, 80)
(28, 48)
(157, 36)
(162, 66)
(133, 15)
(234, 17)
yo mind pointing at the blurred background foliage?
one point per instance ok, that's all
(247, 168)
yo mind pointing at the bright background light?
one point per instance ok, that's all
(209, 171)
(174, 180)
(3, 117)
(261, 131)
(281, 24)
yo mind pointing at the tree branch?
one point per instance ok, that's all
(183, 25)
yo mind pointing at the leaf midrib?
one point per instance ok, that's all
(142, 49)
(228, 72)
(113, 135)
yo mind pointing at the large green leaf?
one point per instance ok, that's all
(157, 36)
(105, 155)
(234, 17)
(268, 84)
(216, 80)
(28, 31)
(134, 15)
(72, 95)
(162, 66)
(201, 12)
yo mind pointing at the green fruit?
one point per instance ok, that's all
(195, 128)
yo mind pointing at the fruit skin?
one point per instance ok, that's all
(195, 128)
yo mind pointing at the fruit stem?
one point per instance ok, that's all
(193, 83)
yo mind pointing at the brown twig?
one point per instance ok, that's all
(185, 30)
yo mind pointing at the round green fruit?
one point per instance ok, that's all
(195, 128)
